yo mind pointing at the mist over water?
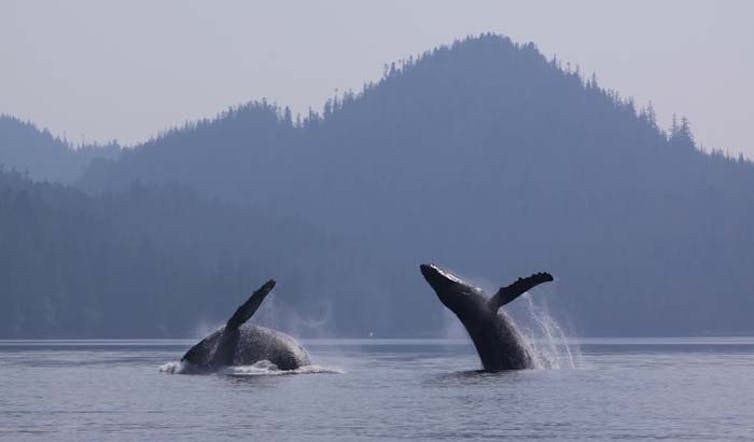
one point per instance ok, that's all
(277, 314)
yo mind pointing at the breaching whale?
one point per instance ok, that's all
(496, 339)
(239, 344)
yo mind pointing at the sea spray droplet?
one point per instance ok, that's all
(544, 338)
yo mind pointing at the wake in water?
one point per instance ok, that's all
(544, 338)
(260, 368)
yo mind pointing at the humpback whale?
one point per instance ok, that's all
(239, 344)
(495, 337)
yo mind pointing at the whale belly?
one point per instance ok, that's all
(500, 345)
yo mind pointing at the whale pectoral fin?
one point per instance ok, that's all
(521, 286)
(248, 308)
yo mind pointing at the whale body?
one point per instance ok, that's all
(499, 344)
(240, 344)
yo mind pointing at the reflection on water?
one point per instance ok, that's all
(678, 389)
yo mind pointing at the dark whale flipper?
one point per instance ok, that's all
(513, 291)
(248, 308)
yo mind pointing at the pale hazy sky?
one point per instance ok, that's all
(129, 69)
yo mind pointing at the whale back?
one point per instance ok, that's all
(260, 343)
(248, 344)
(239, 344)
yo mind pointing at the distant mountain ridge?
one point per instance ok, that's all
(488, 158)
(27, 149)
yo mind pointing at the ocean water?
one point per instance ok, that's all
(603, 389)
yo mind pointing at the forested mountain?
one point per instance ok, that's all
(25, 148)
(491, 159)
(482, 156)
(166, 262)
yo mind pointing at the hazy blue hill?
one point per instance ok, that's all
(167, 262)
(223, 156)
(491, 159)
(25, 148)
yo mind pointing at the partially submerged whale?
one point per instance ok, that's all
(496, 339)
(239, 344)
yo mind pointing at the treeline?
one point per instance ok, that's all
(162, 262)
(42, 156)
(493, 160)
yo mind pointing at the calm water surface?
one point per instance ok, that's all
(676, 389)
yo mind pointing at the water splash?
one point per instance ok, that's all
(259, 368)
(543, 336)
(267, 368)
(173, 367)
